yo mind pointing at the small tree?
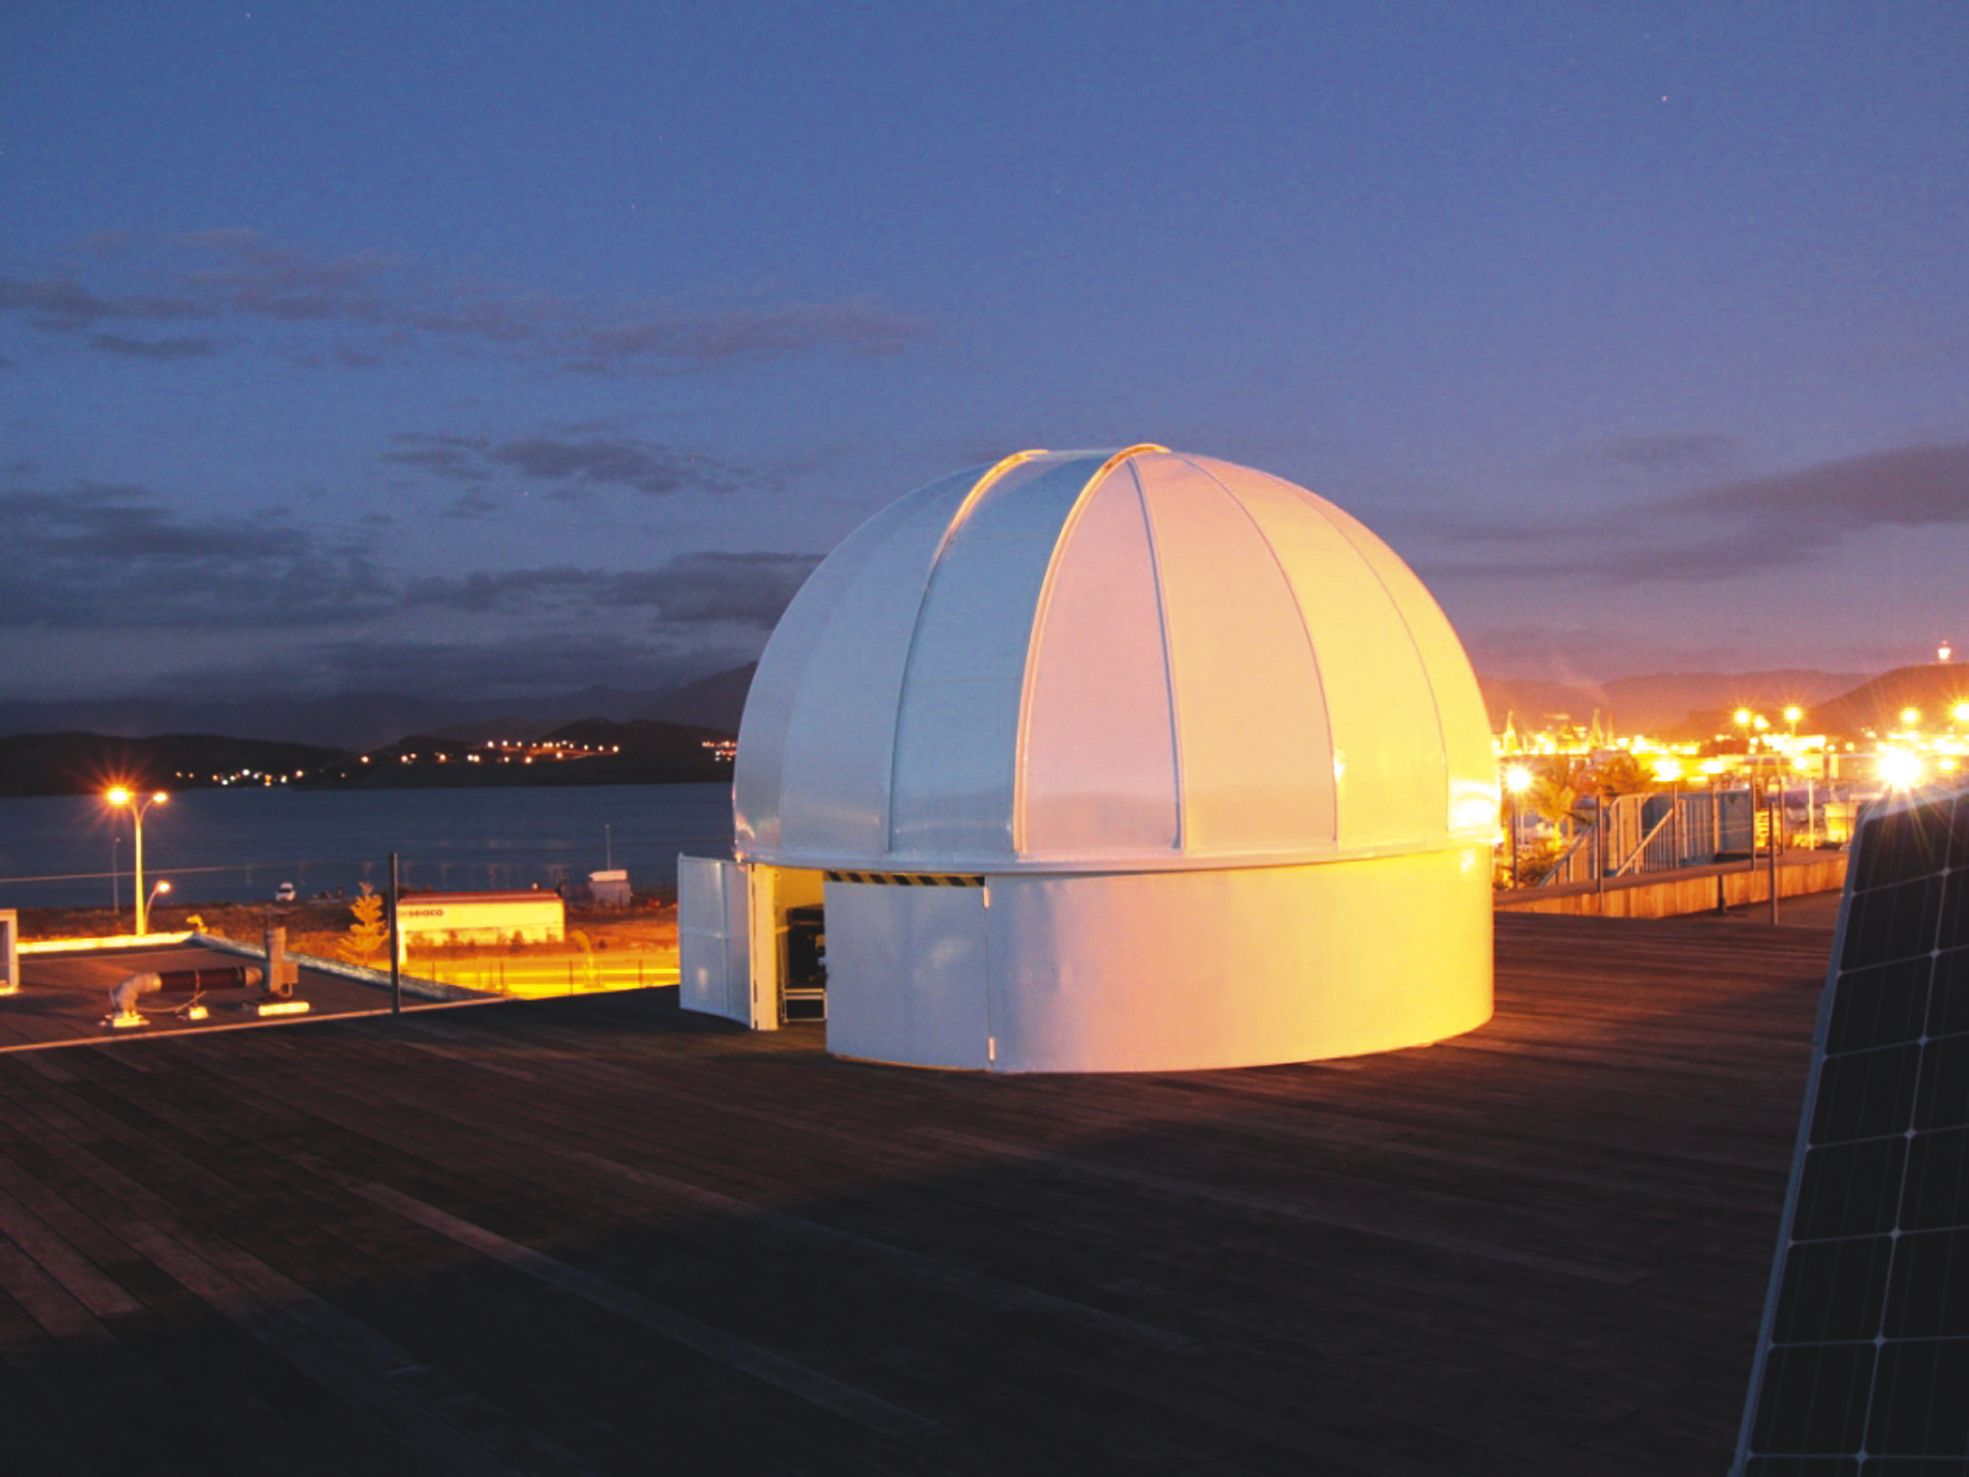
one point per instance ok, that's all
(370, 931)
(1623, 774)
(1555, 795)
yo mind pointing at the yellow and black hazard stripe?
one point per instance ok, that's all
(908, 879)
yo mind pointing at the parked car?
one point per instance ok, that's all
(284, 893)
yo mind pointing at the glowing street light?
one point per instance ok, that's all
(1960, 712)
(121, 797)
(1898, 768)
(1910, 717)
(1792, 714)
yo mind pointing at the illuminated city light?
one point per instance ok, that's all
(1517, 779)
(1899, 768)
(1910, 717)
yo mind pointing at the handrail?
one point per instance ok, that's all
(1563, 862)
(1636, 854)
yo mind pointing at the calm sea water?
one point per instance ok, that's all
(239, 845)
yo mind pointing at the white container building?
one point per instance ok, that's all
(1110, 761)
(533, 917)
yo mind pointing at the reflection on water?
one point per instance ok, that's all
(238, 845)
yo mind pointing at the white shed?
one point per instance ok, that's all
(1131, 760)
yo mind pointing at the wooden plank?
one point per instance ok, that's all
(1540, 1249)
(761, 1364)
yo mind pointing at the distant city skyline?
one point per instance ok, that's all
(499, 352)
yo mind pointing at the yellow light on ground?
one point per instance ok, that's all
(1946, 766)
(1668, 770)
(1713, 766)
(1899, 768)
(1760, 722)
(1517, 779)
(1910, 717)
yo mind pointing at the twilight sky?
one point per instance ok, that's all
(491, 349)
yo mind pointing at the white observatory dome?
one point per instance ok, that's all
(1079, 661)
(1093, 761)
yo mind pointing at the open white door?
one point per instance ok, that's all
(714, 942)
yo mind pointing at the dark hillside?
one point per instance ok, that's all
(80, 763)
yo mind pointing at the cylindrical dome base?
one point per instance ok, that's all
(1162, 971)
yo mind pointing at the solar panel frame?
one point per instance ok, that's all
(1891, 1141)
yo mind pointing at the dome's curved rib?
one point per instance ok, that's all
(1168, 660)
(1040, 609)
(837, 670)
(957, 730)
(983, 485)
(1472, 772)
(1257, 772)
(1299, 608)
(978, 489)
(1321, 506)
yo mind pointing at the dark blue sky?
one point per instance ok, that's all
(492, 349)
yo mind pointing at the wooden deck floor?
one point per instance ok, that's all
(64, 996)
(599, 1235)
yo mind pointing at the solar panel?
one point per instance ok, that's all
(1862, 1365)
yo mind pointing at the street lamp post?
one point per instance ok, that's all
(1517, 780)
(121, 797)
(1777, 840)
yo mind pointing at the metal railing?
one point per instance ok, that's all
(1666, 830)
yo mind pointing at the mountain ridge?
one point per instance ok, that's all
(373, 720)
(62, 756)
